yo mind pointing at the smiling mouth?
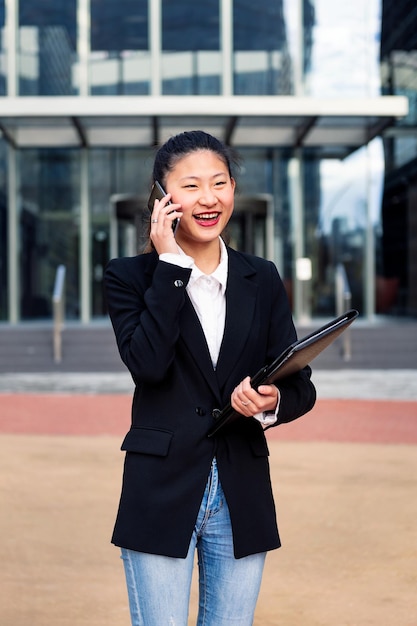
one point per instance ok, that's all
(209, 217)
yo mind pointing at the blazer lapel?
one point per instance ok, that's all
(193, 336)
(241, 296)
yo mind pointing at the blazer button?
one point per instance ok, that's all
(178, 283)
(200, 411)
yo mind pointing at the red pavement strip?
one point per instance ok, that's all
(366, 421)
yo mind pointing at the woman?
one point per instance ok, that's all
(194, 320)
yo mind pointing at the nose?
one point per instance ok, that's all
(208, 198)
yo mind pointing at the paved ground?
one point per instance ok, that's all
(345, 479)
(397, 384)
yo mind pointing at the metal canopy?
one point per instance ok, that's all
(332, 127)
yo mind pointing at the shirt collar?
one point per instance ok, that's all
(219, 274)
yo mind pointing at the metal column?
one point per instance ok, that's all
(13, 235)
(85, 239)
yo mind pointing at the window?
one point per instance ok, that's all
(191, 58)
(47, 47)
(120, 59)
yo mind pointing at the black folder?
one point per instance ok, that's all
(294, 358)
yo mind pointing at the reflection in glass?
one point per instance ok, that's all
(349, 204)
(119, 58)
(261, 58)
(397, 277)
(49, 225)
(344, 49)
(47, 47)
(3, 57)
(191, 58)
(112, 173)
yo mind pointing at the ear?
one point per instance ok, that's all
(233, 182)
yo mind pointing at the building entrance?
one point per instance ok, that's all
(250, 228)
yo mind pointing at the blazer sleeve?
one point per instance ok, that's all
(298, 394)
(144, 308)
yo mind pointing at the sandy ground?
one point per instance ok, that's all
(346, 511)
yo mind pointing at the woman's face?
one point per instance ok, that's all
(201, 183)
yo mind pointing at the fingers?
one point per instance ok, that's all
(164, 213)
(243, 398)
(249, 401)
(162, 218)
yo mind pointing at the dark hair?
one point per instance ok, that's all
(183, 144)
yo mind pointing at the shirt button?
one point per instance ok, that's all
(178, 283)
(200, 411)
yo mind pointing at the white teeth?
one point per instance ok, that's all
(207, 216)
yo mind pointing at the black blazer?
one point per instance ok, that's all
(168, 453)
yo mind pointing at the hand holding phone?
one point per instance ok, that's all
(157, 193)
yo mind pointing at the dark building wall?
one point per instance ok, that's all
(399, 211)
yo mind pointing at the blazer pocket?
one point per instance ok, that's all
(147, 441)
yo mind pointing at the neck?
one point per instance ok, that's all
(206, 256)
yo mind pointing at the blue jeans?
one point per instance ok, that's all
(159, 586)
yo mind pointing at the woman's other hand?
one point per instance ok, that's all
(249, 401)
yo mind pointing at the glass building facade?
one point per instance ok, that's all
(397, 252)
(328, 200)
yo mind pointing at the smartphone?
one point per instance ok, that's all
(157, 193)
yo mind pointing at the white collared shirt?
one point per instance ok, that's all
(207, 294)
